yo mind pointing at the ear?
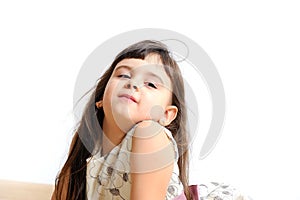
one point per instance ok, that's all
(169, 115)
(99, 104)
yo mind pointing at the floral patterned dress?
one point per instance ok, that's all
(219, 191)
(108, 176)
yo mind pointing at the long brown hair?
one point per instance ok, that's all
(70, 183)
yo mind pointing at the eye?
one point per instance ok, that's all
(151, 85)
(123, 76)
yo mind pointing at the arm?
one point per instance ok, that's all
(152, 162)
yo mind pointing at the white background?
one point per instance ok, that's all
(255, 46)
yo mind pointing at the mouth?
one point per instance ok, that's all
(129, 97)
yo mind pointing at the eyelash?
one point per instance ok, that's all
(124, 76)
(150, 84)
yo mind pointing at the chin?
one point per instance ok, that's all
(126, 120)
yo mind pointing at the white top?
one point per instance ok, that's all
(108, 177)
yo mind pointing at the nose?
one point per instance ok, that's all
(131, 84)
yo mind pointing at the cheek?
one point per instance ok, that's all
(152, 107)
(167, 97)
(108, 93)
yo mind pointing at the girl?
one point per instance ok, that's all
(131, 142)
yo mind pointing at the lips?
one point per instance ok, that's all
(128, 97)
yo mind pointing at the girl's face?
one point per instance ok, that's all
(137, 90)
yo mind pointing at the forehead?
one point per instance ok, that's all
(151, 59)
(151, 65)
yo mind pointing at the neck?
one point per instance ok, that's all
(112, 135)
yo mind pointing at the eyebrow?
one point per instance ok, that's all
(148, 73)
(122, 66)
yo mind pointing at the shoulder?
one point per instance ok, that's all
(150, 142)
(149, 136)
